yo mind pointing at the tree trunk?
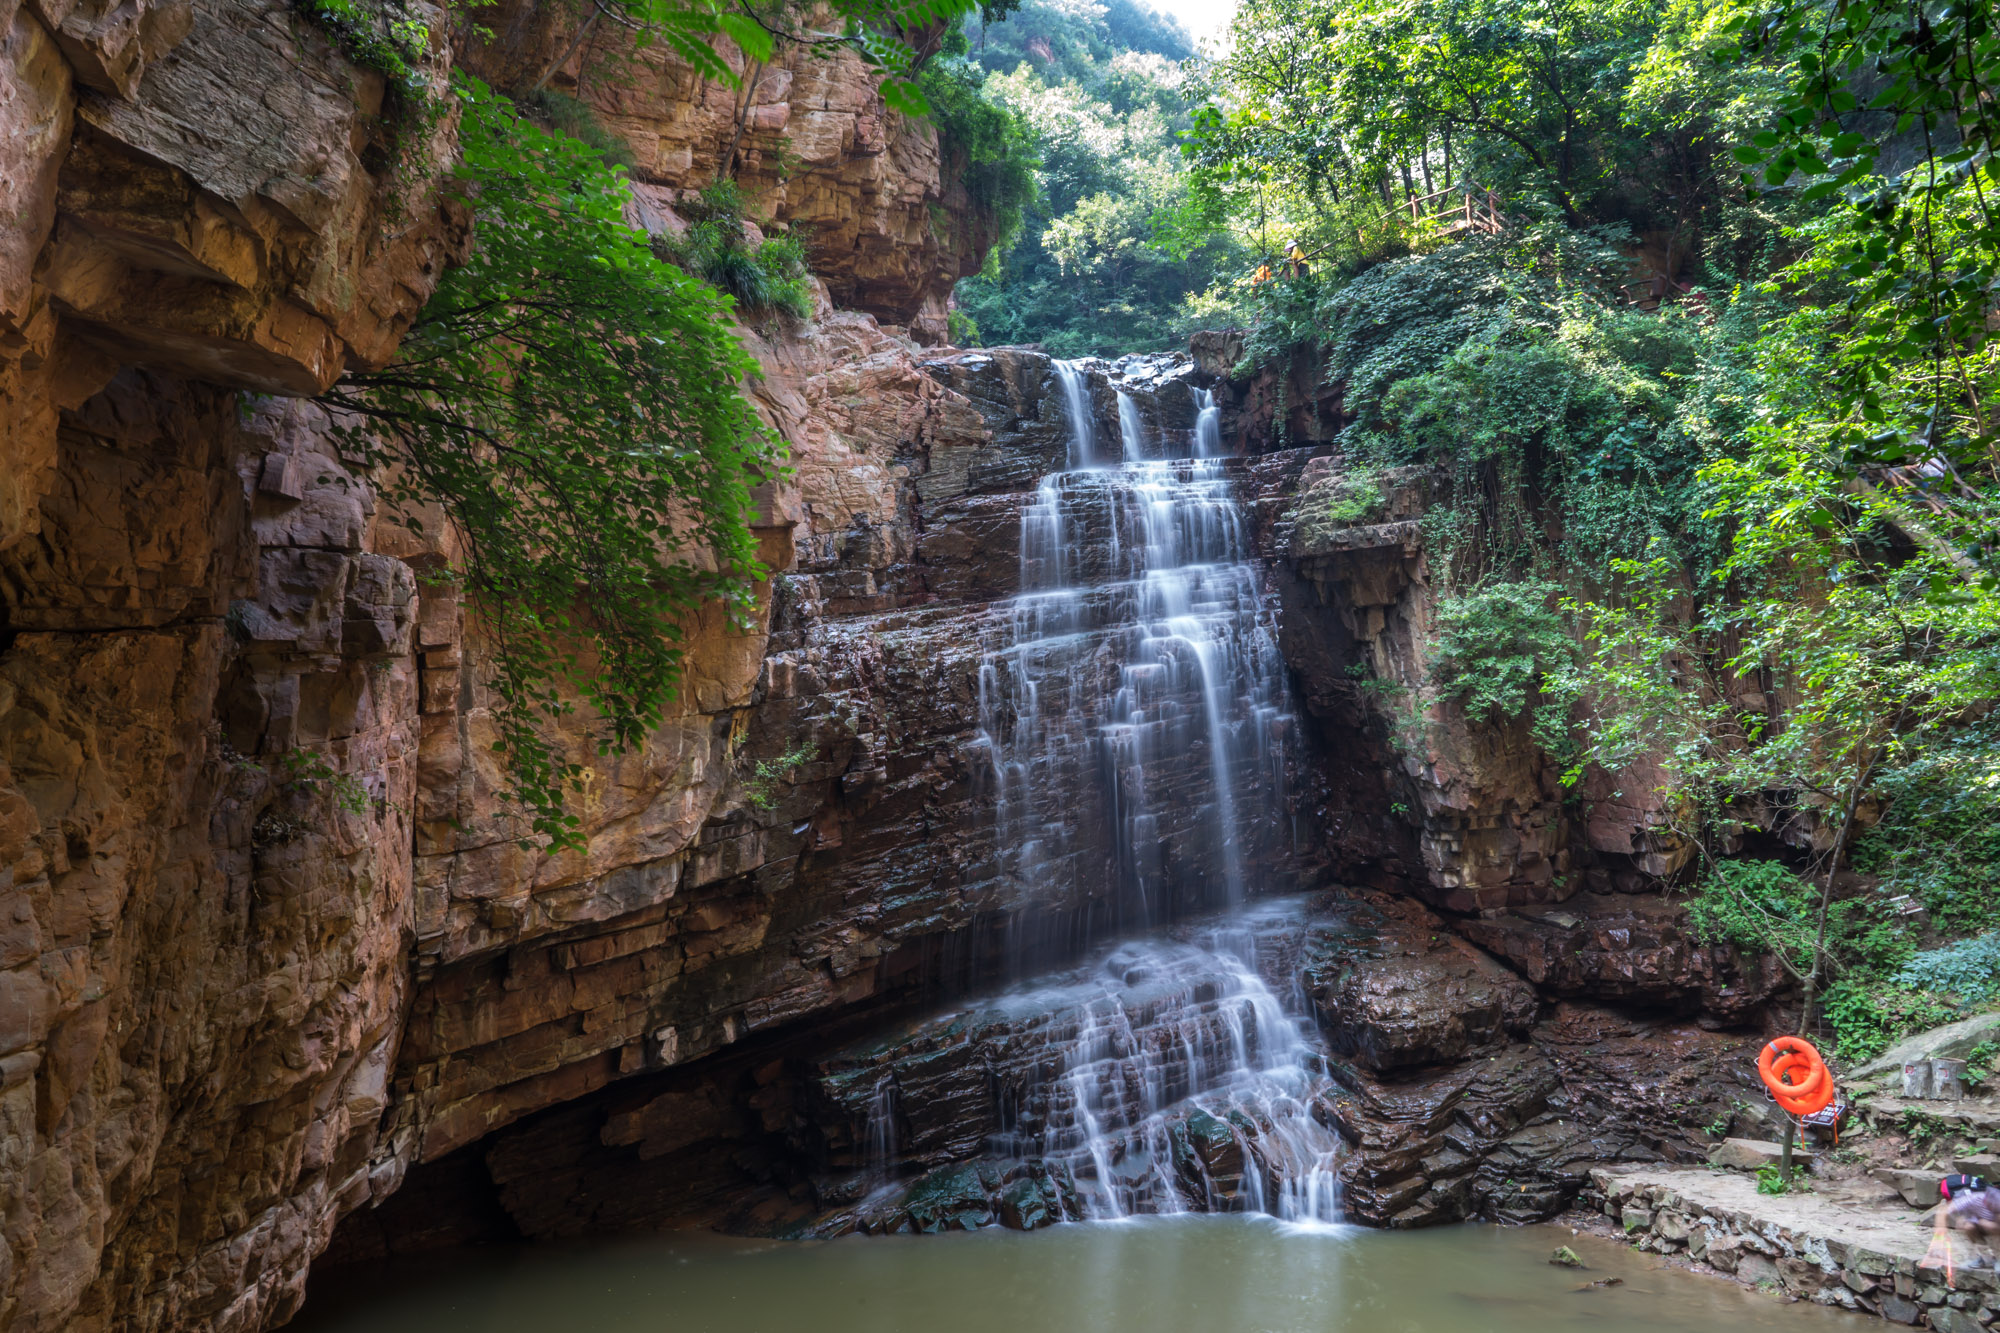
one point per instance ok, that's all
(727, 166)
(583, 31)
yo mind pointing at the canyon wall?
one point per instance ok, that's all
(269, 944)
(246, 827)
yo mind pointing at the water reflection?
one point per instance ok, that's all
(1156, 1275)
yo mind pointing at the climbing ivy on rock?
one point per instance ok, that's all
(572, 404)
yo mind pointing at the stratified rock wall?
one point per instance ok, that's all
(806, 138)
(247, 836)
(205, 954)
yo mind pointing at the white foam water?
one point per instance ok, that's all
(1132, 699)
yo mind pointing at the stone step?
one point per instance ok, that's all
(1751, 1154)
(1859, 1256)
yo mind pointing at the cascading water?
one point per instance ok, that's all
(1187, 1085)
(1177, 1073)
(1207, 425)
(1132, 698)
(1133, 703)
(1076, 406)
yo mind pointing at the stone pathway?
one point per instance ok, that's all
(1856, 1254)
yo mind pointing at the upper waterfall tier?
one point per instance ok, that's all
(1132, 697)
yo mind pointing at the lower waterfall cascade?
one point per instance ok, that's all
(1185, 1084)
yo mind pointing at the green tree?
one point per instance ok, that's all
(572, 404)
(1891, 114)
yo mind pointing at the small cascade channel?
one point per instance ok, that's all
(1134, 707)
(1132, 698)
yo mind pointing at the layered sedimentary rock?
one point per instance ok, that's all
(879, 202)
(233, 712)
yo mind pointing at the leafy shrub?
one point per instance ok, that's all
(1866, 1016)
(379, 37)
(1757, 905)
(962, 329)
(1939, 836)
(767, 277)
(762, 788)
(1979, 1062)
(1359, 497)
(1968, 969)
(1772, 1181)
(1495, 647)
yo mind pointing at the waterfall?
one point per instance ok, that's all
(882, 1136)
(1134, 714)
(1176, 1073)
(1131, 430)
(1076, 406)
(1207, 425)
(1132, 700)
(1188, 1085)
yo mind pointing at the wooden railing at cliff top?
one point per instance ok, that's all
(1469, 208)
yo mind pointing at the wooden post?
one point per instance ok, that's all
(1785, 1154)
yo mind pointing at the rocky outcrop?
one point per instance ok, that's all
(205, 964)
(879, 201)
(1395, 989)
(1634, 949)
(246, 828)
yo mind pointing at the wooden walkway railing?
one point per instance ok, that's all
(1460, 208)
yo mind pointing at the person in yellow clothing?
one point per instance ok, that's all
(1295, 260)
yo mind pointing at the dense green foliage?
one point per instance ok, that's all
(1117, 243)
(572, 404)
(1875, 84)
(1674, 535)
(990, 142)
(767, 277)
(1496, 646)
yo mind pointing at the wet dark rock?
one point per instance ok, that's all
(1629, 949)
(954, 1198)
(1394, 988)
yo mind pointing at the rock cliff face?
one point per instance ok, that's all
(235, 727)
(878, 200)
(269, 944)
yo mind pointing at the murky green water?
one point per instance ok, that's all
(1163, 1275)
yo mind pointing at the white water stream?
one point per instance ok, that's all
(1136, 721)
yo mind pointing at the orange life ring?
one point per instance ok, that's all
(1798, 1079)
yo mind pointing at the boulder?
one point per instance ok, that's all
(1754, 1154)
(1630, 949)
(1394, 988)
(1918, 1188)
(1954, 1041)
